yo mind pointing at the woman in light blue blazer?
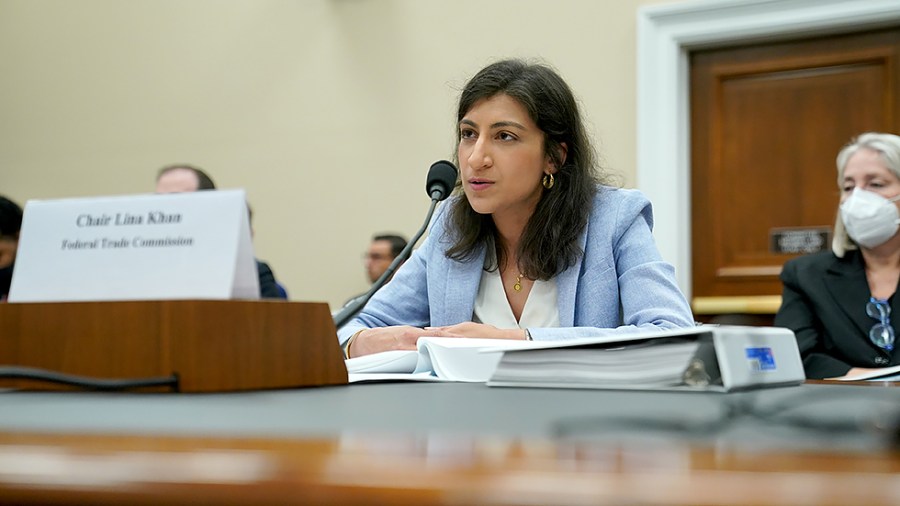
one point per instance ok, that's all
(532, 245)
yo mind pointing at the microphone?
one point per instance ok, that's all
(439, 183)
(441, 179)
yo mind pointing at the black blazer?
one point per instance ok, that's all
(824, 303)
(268, 287)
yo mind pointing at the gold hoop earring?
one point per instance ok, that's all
(548, 181)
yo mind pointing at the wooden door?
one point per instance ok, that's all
(767, 122)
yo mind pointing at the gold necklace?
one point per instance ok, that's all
(518, 286)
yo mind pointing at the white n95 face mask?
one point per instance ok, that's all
(870, 219)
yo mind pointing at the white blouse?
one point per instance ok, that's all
(492, 307)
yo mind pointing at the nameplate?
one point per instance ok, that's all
(801, 240)
(193, 245)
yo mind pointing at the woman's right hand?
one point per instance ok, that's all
(368, 341)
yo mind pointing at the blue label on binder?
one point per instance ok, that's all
(760, 359)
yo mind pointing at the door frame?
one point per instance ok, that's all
(666, 35)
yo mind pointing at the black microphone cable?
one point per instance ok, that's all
(87, 383)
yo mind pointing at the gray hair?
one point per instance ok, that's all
(888, 148)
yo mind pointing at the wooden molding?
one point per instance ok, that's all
(758, 304)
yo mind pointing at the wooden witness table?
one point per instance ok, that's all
(240, 430)
(455, 444)
(86, 469)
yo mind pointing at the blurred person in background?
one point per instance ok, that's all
(181, 178)
(10, 224)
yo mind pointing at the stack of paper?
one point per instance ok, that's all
(708, 357)
(646, 364)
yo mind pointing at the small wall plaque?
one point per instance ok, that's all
(801, 240)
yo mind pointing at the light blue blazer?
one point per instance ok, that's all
(619, 285)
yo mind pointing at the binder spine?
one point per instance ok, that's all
(703, 368)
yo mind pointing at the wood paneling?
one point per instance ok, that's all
(211, 345)
(767, 123)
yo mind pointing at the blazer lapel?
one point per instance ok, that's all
(567, 285)
(848, 287)
(461, 289)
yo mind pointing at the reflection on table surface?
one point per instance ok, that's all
(383, 468)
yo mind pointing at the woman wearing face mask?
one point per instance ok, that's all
(842, 304)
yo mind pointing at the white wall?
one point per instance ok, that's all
(328, 112)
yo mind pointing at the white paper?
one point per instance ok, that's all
(389, 377)
(649, 366)
(746, 357)
(881, 374)
(393, 361)
(446, 358)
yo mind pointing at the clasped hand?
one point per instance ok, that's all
(405, 337)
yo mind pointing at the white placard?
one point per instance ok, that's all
(193, 245)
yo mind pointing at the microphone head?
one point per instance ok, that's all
(441, 179)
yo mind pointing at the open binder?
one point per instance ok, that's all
(471, 360)
(707, 357)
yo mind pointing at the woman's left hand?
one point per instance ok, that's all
(853, 373)
(472, 329)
